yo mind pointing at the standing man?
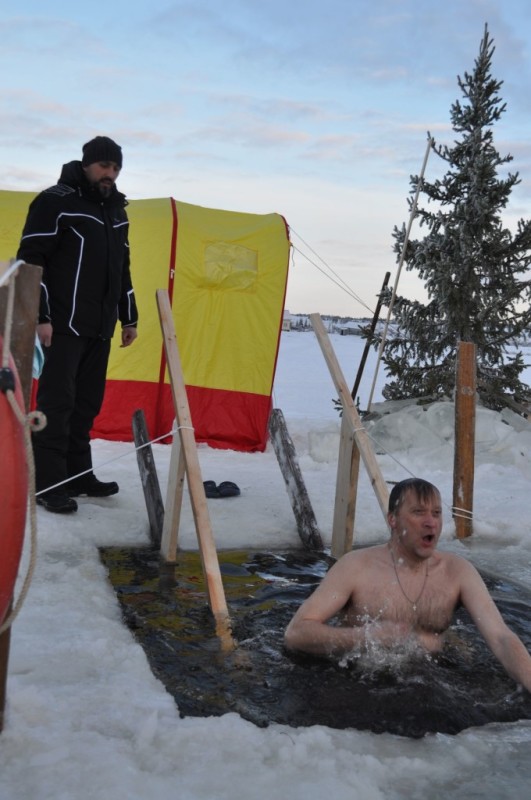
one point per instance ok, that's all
(77, 231)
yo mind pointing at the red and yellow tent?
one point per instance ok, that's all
(226, 276)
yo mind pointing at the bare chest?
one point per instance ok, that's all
(425, 600)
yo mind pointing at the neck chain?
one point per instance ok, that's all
(413, 603)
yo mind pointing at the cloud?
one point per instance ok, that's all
(44, 35)
(317, 110)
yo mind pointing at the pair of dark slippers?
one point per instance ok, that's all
(224, 489)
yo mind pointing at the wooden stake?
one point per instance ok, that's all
(207, 548)
(148, 477)
(174, 499)
(465, 436)
(25, 313)
(289, 466)
(350, 412)
(348, 467)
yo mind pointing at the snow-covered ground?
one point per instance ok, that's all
(86, 718)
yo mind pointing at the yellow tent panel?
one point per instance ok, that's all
(226, 275)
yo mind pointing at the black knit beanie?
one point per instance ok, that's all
(101, 148)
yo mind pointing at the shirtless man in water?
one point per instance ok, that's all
(403, 589)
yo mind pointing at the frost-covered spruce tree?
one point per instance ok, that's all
(475, 271)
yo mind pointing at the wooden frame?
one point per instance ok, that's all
(465, 435)
(291, 472)
(188, 464)
(353, 437)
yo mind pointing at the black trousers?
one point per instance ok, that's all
(70, 394)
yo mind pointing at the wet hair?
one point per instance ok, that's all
(424, 490)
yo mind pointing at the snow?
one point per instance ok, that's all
(86, 718)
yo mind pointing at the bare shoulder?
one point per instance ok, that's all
(363, 556)
(350, 572)
(455, 566)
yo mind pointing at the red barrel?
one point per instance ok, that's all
(13, 490)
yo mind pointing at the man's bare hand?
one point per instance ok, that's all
(45, 332)
(129, 335)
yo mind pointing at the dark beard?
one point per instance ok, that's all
(104, 189)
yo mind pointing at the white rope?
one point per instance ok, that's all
(10, 271)
(462, 513)
(115, 458)
(386, 451)
(339, 282)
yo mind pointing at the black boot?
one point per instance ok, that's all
(90, 486)
(59, 502)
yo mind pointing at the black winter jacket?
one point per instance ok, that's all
(80, 240)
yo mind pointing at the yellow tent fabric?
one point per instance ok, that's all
(226, 275)
(13, 210)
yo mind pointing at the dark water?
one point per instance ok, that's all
(166, 609)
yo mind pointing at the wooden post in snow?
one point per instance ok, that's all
(465, 435)
(148, 477)
(289, 466)
(205, 538)
(360, 440)
(348, 468)
(25, 311)
(174, 500)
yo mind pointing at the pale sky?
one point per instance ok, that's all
(316, 110)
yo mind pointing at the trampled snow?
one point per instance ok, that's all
(86, 718)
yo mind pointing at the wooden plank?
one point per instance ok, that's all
(349, 411)
(174, 499)
(291, 472)
(207, 548)
(348, 467)
(465, 438)
(148, 477)
(25, 315)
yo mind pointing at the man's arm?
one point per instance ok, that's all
(127, 309)
(504, 643)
